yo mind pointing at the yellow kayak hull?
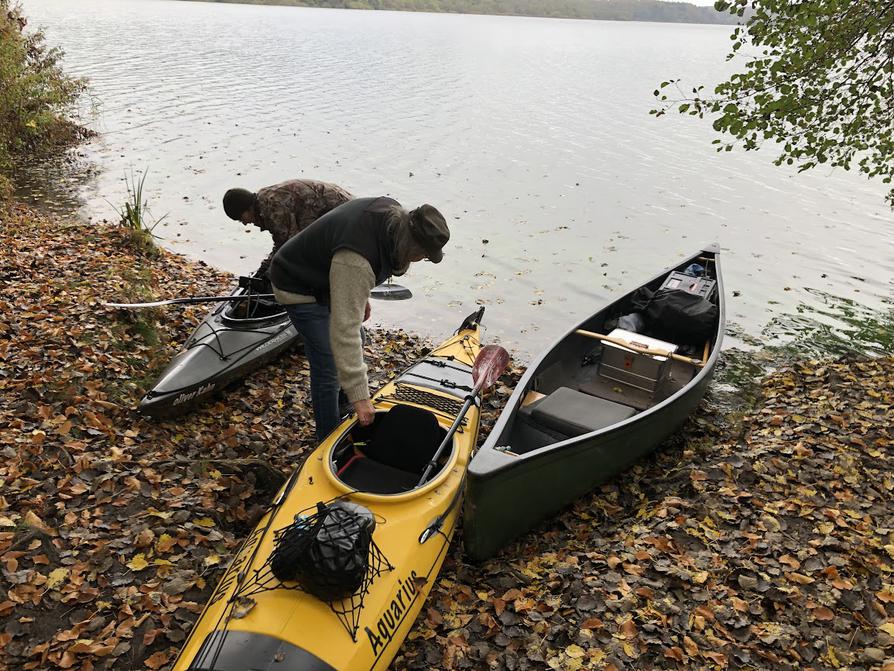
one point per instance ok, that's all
(252, 621)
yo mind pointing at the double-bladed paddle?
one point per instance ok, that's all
(384, 292)
(186, 301)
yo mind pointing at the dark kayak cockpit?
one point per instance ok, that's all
(252, 309)
(390, 456)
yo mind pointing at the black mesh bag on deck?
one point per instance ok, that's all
(680, 317)
(327, 553)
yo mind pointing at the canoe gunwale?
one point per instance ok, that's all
(509, 493)
(508, 416)
(558, 448)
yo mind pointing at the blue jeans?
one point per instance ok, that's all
(311, 320)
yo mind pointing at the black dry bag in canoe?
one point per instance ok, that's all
(326, 553)
(680, 317)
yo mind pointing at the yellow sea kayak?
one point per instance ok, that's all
(254, 620)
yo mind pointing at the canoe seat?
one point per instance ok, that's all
(573, 413)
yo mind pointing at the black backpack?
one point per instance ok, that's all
(327, 553)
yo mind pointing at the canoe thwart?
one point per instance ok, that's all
(641, 350)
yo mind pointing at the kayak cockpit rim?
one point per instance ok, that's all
(257, 312)
(502, 436)
(352, 472)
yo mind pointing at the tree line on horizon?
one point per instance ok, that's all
(607, 10)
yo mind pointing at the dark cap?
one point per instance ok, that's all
(429, 228)
(237, 201)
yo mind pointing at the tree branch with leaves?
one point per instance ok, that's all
(819, 82)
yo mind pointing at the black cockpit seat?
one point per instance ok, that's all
(404, 442)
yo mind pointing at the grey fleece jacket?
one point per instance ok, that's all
(351, 278)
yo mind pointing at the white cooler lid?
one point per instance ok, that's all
(640, 341)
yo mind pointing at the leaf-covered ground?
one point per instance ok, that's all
(762, 543)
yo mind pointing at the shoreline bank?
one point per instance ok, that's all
(761, 539)
(651, 11)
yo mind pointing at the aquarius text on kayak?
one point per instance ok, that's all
(393, 615)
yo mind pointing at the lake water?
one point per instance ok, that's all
(531, 135)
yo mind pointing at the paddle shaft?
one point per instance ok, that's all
(187, 301)
(641, 350)
(381, 292)
(470, 399)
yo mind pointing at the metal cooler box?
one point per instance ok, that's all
(701, 286)
(636, 369)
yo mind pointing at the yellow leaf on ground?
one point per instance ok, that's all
(575, 651)
(165, 543)
(157, 513)
(56, 578)
(888, 628)
(212, 560)
(138, 563)
(205, 522)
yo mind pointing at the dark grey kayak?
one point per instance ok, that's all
(234, 339)
(588, 408)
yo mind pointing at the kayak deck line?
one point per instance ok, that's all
(219, 351)
(347, 610)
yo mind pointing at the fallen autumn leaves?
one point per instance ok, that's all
(762, 545)
(113, 527)
(766, 544)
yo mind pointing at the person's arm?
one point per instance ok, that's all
(350, 280)
(265, 265)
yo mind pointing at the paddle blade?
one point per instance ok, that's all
(489, 365)
(390, 292)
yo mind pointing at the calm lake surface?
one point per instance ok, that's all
(531, 135)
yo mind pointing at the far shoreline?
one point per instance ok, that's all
(722, 19)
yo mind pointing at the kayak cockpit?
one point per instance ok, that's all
(390, 456)
(252, 309)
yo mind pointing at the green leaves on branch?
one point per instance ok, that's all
(818, 81)
(37, 99)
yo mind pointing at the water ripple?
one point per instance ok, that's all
(533, 134)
